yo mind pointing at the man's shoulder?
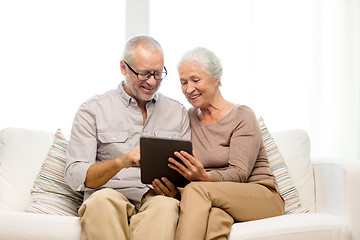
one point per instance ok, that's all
(101, 97)
(170, 102)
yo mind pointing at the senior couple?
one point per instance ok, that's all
(229, 172)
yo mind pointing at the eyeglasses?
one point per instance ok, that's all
(146, 76)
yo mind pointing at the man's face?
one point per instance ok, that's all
(145, 61)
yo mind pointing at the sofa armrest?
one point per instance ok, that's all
(337, 190)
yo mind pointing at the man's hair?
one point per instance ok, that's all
(206, 58)
(143, 40)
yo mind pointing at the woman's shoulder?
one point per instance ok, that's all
(192, 114)
(192, 111)
(239, 114)
(244, 110)
(244, 114)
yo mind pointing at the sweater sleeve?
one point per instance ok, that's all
(245, 143)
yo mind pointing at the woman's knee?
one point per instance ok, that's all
(195, 187)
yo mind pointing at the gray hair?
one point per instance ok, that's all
(206, 58)
(139, 40)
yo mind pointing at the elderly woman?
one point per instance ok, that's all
(230, 174)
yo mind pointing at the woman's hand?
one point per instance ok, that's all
(192, 169)
(165, 188)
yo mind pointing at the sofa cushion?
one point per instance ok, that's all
(50, 193)
(25, 226)
(319, 226)
(22, 152)
(279, 168)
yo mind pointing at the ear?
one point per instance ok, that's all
(217, 82)
(122, 67)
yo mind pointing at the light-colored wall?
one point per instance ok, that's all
(137, 17)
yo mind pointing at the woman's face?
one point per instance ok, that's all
(197, 86)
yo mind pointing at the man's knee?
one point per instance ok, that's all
(104, 195)
(107, 198)
(164, 204)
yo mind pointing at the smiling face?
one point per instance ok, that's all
(198, 87)
(145, 60)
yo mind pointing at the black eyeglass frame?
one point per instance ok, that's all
(148, 75)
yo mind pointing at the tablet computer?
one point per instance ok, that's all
(154, 155)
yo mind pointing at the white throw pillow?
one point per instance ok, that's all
(22, 152)
(294, 146)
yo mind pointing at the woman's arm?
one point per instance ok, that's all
(245, 143)
(192, 169)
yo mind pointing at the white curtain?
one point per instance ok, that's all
(295, 62)
(335, 90)
(310, 53)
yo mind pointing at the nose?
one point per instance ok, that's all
(189, 88)
(151, 81)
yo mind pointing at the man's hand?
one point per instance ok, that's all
(101, 172)
(165, 188)
(131, 159)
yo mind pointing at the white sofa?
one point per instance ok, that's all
(327, 188)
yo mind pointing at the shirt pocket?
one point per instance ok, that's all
(113, 137)
(112, 144)
(167, 134)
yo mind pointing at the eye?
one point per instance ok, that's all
(183, 82)
(144, 74)
(196, 80)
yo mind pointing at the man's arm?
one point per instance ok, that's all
(185, 125)
(100, 173)
(82, 169)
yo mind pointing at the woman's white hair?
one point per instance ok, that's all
(206, 58)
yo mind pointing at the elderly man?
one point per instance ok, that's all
(103, 155)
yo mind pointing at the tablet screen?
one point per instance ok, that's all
(154, 155)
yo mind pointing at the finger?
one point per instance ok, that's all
(184, 159)
(191, 158)
(161, 188)
(156, 187)
(173, 166)
(137, 162)
(191, 162)
(174, 191)
(169, 184)
(177, 164)
(187, 155)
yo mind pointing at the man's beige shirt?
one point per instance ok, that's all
(110, 125)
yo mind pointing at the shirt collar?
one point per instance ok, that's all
(126, 99)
